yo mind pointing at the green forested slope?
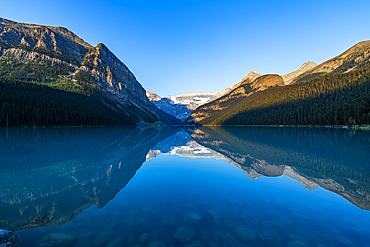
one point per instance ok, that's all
(335, 99)
(31, 104)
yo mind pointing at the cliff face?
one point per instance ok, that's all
(48, 48)
(114, 77)
(50, 39)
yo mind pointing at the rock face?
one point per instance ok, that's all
(53, 39)
(181, 106)
(288, 78)
(58, 46)
(152, 96)
(113, 76)
(7, 238)
(356, 57)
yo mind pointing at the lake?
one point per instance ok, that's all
(210, 187)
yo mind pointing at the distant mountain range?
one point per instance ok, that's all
(335, 92)
(57, 58)
(181, 106)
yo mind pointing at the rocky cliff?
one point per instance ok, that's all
(68, 56)
(52, 40)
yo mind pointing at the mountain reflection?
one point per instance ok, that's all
(48, 176)
(335, 159)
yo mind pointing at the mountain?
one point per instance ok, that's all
(208, 112)
(183, 145)
(356, 57)
(252, 75)
(56, 57)
(315, 97)
(288, 78)
(181, 106)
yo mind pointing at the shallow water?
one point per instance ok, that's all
(171, 187)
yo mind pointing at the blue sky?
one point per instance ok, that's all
(179, 46)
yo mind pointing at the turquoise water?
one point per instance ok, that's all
(175, 187)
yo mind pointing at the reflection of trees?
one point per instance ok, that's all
(51, 175)
(333, 158)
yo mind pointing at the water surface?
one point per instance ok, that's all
(174, 187)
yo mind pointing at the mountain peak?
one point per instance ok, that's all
(252, 75)
(152, 96)
(288, 78)
(307, 64)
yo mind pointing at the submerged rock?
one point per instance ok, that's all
(230, 241)
(116, 243)
(214, 216)
(141, 226)
(184, 235)
(157, 244)
(168, 220)
(245, 235)
(81, 241)
(218, 235)
(194, 244)
(297, 244)
(56, 240)
(99, 240)
(7, 238)
(144, 238)
(127, 238)
(270, 238)
(193, 218)
(322, 245)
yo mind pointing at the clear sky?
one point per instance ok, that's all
(183, 46)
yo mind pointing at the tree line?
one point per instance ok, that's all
(31, 104)
(336, 99)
